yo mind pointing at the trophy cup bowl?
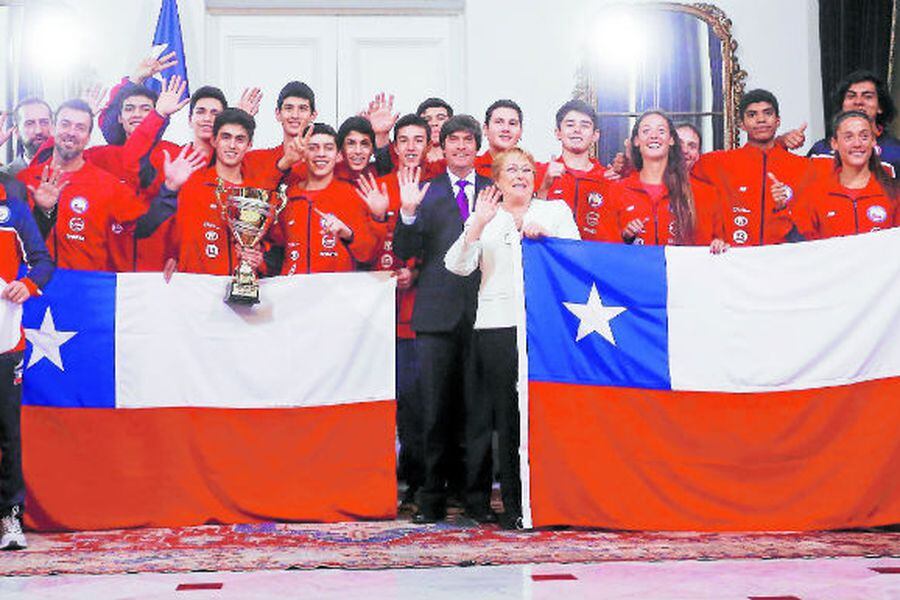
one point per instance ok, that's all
(248, 213)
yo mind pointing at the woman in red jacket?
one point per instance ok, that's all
(659, 204)
(857, 196)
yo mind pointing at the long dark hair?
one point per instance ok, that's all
(681, 198)
(887, 183)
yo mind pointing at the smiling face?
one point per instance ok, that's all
(203, 117)
(515, 177)
(503, 129)
(321, 156)
(577, 133)
(357, 151)
(134, 110)
(854, 141)
(653, 137)
(862, 96)
(73, 130)
(459, 151)
(410, 145)
(761, 122)
(294, 115)
(231, 143)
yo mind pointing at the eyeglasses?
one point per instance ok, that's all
(514, 170)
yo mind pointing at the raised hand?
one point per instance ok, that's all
(376, 199)
(94, 95)
(794, 138)
(295, 151)
(47, 193)
(153, 64)
(250, 100)
(410, 193)
(619, 164)
(7, 128)
(170, 98)
(486, 206)
(382, 117)
(180, 169)
(781, 192)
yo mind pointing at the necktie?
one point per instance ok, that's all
(461, 199)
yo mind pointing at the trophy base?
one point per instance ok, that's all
(245, 295)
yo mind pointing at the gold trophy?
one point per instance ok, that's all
(248, 213)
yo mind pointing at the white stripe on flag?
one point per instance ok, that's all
(313, 340)
(787, 317)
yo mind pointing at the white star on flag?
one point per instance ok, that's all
(45, 342)
(594, 317)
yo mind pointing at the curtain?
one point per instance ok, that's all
(853, 34)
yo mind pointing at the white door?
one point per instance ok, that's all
(346, 59)
(267, 52)
(413, 57)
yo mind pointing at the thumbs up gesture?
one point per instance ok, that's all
(781, 192)
(794, 138)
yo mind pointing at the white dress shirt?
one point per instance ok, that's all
(469, 189)
(499, 254)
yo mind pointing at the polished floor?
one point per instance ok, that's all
(820, 579)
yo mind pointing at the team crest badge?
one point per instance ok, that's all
(4, 214)
(79, 205)
(595, 200)
(876, 214)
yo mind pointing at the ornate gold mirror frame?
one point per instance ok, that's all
(733, 76)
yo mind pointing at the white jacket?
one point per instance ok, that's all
(499, 254)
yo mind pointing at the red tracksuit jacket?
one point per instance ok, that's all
(828, 209)
(308, 248)
(740, 177)
(628, 200)
(90, 208)
(585, 192)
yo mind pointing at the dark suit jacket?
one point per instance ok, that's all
(442, 298)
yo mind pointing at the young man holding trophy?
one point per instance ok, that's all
(222, 210)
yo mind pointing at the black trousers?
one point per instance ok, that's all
(447, 387)
(497, 368)
(411, 466)
(12, 482)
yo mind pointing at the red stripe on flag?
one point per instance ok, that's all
(886, 570)
(658, 460)
(553, 577)
(185, 587)
(108, 468)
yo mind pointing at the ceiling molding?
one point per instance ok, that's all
(337, 7)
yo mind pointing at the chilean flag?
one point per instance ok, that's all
(154, 404)
(167, 38)
(669, 389)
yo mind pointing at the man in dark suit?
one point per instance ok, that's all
(431, 219)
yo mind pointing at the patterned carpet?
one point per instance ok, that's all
(400, 544)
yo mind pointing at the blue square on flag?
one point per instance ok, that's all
(70, 357)
(596, 314)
